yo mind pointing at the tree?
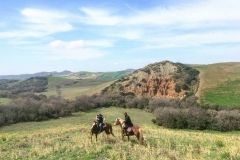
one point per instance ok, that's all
(58, 90)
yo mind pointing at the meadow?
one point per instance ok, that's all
(69, 138)
(71, 88)
(219, 83)
(4, 100)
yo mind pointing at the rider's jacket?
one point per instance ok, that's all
(99, 118)
(128, 121)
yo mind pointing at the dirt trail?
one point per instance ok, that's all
(201, 84)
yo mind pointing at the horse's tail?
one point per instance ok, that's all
(111, 130)
(140, 136)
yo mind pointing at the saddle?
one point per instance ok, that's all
(129, 129)
(103, 125)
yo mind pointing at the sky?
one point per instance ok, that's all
(114, 35)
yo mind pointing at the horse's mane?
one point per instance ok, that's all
(121, 120)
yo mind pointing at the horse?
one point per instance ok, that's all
(136, 130)
(95, 129)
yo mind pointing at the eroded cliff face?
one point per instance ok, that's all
(156, 87)
(154, 80)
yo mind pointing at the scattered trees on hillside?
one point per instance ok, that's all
(11, 89)
(186, 77)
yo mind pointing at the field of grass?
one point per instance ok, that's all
(73, 88)
(4, 100)
(68, 138)
(97, 75)
(220, 83)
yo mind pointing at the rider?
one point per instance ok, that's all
(100, 119)
(128, 122)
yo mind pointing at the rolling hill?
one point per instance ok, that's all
(219, 83)
(162, 79)
(39, 74)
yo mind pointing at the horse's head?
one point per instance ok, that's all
(94, 125)
(117, 122)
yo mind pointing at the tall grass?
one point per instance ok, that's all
(68, 138)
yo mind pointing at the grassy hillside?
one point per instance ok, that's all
(114, 75)
(72, 88)
(82, 83)
(68, 138)
(4, 100)
(220, 83)
(97, 75)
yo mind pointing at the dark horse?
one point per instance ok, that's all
(95, 129)
(136, 130)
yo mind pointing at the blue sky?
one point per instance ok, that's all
(93, 35)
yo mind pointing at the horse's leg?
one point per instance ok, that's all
(122, 136)
(107, 137)
(91, 134)
(96, 136)
(140, 136)
(128, 138)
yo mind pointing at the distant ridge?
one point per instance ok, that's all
(74, 75)
(39, 74)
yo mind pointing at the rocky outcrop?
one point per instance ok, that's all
(154, 80)
(156, 88)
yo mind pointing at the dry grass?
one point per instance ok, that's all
(68, 138)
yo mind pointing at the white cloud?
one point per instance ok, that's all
(100, 43)
(58, 44)
(46, 21)
(99, 17)
(76, 50)
(38, 23)
(199, 12)
(75, 54)
(193, 39)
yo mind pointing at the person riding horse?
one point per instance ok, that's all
(128, 122)
(100, 119)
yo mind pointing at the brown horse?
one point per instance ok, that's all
(95, 129)
(136, 130)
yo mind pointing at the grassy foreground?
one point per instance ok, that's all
(68, 138)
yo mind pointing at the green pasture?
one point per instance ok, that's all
(96, 75)
(227, 93)
(73, 88)
(220, 83)
(69, 138)
(4, 100)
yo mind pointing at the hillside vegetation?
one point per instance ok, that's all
(68, 138)
(220, 83)
(161, 79)
(82, 83)
(98, 75)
